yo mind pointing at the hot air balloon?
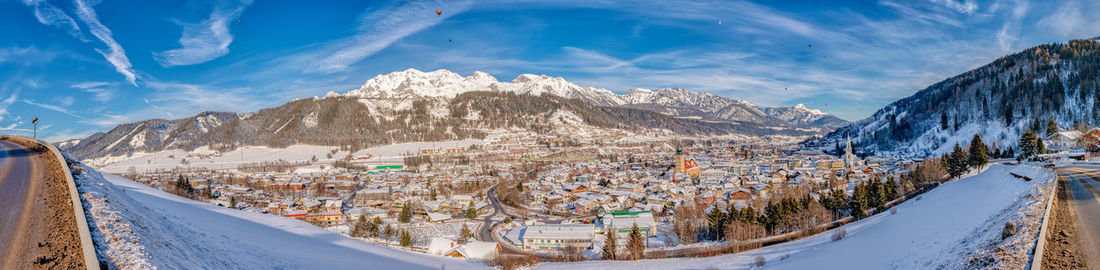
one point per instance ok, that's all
(439, 12)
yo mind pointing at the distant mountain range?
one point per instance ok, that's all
(999, 101)
(412, 105)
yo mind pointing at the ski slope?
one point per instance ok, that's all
(138, 227)
(945, 229)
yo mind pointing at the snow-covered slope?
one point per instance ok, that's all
(137, 227)
(999, 101)
(954, 226)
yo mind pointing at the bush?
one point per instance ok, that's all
(1009, 230)
(839, 234)
(508, 262)
(760, 261)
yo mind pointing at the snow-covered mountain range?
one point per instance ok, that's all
(411, 105)
(678, 102)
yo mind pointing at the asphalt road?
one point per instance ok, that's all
(1085, 191)
(484, 232)
(20, 172)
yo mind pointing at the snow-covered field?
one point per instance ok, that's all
(168, 159)
(945, 228)
(137, 227)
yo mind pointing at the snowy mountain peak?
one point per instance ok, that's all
(802, 107)
(414, 83)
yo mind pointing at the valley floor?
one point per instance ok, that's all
(955, 226)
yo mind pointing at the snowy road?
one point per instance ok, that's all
(19, 173)
(1085, 190)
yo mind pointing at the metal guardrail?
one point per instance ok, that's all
(86, 246)
(1040, 245)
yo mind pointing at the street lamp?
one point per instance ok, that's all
(35, 123)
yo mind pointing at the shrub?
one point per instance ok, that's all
(840, 234)
(508, 262)
(1009, 230)
(760, 261)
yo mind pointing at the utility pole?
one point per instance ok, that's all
(35, 123)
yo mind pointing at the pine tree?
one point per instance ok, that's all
(372, 229)
(1040, 147)
(360, 228)
(464, 234)
(978, 152)
(859, 203)
(717, 222)
(1027, 145)
(431, 194)
(957, 161)
(233, 202)
(376, 227)
(519, 186)
(406, 213)
(388, 233)
(1052, 127)
(610, 244)
(891, 188)
(405, 239)
(943, 121)
(470, 211)
(636, 244)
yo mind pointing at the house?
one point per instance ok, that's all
(462, 200)
(438, 217)
(472, 249)
(1062, 139)
(557, 237)
(623, 221)
(740, 195)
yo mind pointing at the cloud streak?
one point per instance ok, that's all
(382, 27)
(204, 41)
(49, 14)
(114, 53)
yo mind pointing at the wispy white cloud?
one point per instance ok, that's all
(25, 55)
(64, 100)
(172, 100)
(6, 103)
(101, 91)
(965, 7)
(114, 53)
(68, 134)
(382, 27)
(1069, 20)
(89, 84)
(49, 14)
(1011, 27)
(203, 41)
(53, 108)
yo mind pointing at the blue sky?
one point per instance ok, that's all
(84, 66)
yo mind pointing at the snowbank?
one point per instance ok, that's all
(947, 227)
(137, 227)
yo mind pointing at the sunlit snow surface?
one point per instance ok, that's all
(138, 227)
(939, 230)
